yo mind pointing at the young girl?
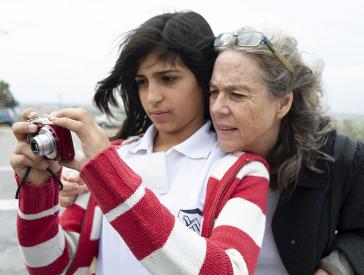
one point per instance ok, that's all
(152, 219)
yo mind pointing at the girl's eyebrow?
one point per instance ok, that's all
(161, 72)
(165, 71)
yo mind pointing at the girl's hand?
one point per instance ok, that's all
(23, 156)
(72, 187)
(93, 138)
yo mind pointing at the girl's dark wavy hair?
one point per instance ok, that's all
(179, 36)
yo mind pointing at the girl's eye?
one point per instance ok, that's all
(168, 78)
(140, 82)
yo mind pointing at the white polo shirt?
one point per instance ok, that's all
(178, 177)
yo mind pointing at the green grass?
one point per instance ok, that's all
(353, 126)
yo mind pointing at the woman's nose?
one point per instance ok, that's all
(218, 105)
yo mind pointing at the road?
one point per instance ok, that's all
(10, 258)
(7, 183)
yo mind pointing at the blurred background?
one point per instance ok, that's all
(53, 53)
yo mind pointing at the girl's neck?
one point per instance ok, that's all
(165, 141)
(162, 145)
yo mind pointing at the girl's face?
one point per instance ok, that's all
(244, 113)
(171, 97)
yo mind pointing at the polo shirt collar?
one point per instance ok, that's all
(146, 141)
(199, 145)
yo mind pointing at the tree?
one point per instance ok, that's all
(6, 97)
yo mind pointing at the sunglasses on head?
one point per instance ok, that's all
(249, 39)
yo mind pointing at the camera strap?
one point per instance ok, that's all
(22, 181)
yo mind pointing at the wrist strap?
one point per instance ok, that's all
(22, 181)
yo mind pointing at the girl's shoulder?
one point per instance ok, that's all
(123, 142)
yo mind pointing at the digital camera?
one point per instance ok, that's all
(51, 141)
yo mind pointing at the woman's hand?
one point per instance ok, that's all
(72, 187)
(93, 138)
(23, 157)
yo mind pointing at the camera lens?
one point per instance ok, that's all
(42, 145)
(34, 146)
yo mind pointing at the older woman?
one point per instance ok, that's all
(264, 99)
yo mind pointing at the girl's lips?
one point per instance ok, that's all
(158, 115)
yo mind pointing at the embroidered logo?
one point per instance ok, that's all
(191, 218)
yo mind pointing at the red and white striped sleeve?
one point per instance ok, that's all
(46, 245)
(240, 223)
(160, 241)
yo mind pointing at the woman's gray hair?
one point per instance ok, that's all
(304, 129)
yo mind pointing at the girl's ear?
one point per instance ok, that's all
(284, 105)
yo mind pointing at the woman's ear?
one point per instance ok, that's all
(284, 105)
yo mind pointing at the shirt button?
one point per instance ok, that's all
(293, 242)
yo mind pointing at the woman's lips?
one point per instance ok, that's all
(222, 129)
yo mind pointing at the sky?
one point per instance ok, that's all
(56, 51)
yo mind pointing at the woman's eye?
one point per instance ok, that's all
(237, 95)
(212, 93)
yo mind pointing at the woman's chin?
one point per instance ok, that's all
(228, 146)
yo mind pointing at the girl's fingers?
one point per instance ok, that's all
(69, 188)
(29, 114)
(83, 188)
(93, 138)
(66, 201)
(19, 162)
(75, 164)
(73, 176)
(68, 123)
(22, 129)
(54, 165)
(72, 189)
(77, 120)
(23, 149)
(78, 114)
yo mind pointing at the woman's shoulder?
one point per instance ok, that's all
(343, 145)
(347, 144)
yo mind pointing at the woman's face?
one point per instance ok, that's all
(245, 115)
(171, 97)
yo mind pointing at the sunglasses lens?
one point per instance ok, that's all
(223, 40)
(249, 39)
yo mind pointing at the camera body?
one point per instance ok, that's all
(51, 141)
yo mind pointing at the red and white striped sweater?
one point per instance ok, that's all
(231, 236)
